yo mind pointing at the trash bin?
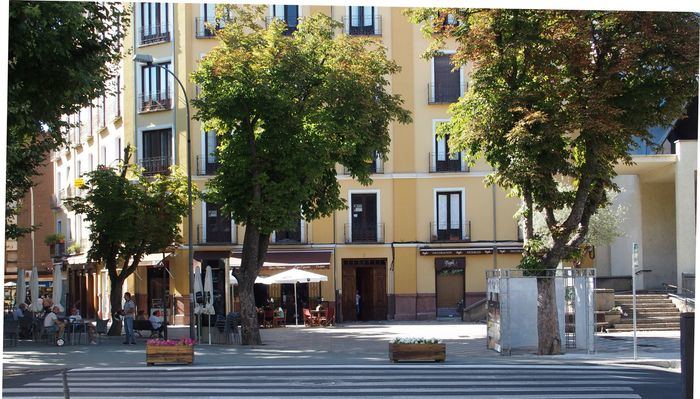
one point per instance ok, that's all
(687, 332)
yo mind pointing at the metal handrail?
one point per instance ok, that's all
(675, 287)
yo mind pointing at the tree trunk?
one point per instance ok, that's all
(548, 339)
(254, 249)
(115, 301)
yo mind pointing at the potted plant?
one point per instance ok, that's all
(416, 349)
(55, 238)
(74, 248)
(169, 351)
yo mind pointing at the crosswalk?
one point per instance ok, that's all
(473, 381)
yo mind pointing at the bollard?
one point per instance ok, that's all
(687, 332)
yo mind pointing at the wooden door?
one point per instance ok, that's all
(449, 286)
(379, 300)
(218, 225)
(348, 301)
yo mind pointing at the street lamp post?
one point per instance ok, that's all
(148, 60)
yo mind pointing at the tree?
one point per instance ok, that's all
(59, 57)
(561, 96)
(130, 216)
(286, 109)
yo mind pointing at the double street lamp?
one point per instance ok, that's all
(148, 60)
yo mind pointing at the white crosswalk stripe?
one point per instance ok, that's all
(445, 381)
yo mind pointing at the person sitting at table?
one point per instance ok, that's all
(75, 320)
(52, 324)
(18, 313)
(156, 323)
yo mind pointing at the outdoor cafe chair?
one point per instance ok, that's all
(329, 318)
(280, 320)
(268, 317)
(309, 320)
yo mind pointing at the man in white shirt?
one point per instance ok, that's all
(52, 324)
(156, 323)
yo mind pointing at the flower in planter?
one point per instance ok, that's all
(408, 340)
(170, 342)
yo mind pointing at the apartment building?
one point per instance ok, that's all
(414, 245)
(96, 137)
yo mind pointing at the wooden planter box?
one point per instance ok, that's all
(169, 354)
(417, 352)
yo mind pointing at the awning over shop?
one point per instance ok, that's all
(154, 259)
(291, 259)
(470, 250)
(204, 255)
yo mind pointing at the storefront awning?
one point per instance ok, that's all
(291, 259)
(204, 255)
(470, 250)
(153, 259)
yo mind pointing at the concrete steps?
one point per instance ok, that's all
(655, 312)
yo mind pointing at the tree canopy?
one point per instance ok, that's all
(286, 109)
(60, 54)
(130, 216)
(561, 96)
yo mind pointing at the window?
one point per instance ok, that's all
(361, 21)
(449, 224)
(79, 170)
(103, 155)
(155, 88)
(447, 84)
(442, 160)
(90, 163)
(119, 148)
(289, 236)
(207, 21)
(154, 23)
(59, 227)
(157, 151)
(218, 225)
(210, 163)
(69, 233)
(288, 14)
(364, 219)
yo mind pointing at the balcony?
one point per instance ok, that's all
(359, 234)
(442, 232)
(56, 201)
(292, 237)
(153, 34)
(358, 26)
(204, 168)
(206, 28)
(158, 101)
(441, 162)
(376, 167)
(288, 31)
(155, 165)
(215, 238)
(445, 93)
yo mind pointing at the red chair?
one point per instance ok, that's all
(280, 320)
(268, 317)
(309, 320)
(329, 318)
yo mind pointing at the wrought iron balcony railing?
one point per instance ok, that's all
(442, 162)
(450, 232)
(359, 26)
(153, 34)
(215, 237)
(158, 101)
(292, 237)
(205, 168)
(445, 93)
(377, 167)
(364, 234)
(207, 27)
(289, 30)
(155, 165)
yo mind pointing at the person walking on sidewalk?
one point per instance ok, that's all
(129, 312)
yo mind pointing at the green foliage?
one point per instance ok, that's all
(59, 57)
(286, 109)
(74, 248)
(131, 215)
(54, 238)
(562, 96)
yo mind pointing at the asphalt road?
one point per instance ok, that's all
(511, 381)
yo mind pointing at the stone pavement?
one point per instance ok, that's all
(357, 343)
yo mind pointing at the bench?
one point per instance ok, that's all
(144, 325)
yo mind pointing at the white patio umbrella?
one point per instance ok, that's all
(36, 305)
(198, 308)
(234, 281)
(57, 286)
(294, 276)
(208, 297)
(21, 287)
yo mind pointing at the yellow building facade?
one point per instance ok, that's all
(415, 244)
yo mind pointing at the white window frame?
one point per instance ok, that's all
(462, 154)
(380, 238)
(171, 88)
(432, 74)
(137, 15)
(139, 140)
(375, 14)
(302, 233)
(463, 201)
(234, 231)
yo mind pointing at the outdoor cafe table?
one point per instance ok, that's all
(316, 314)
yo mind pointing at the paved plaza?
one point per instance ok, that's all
(357, 343)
